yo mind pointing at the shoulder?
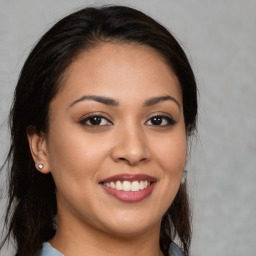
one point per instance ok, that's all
(48, 250)
(175, 250)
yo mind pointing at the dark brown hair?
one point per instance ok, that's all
(32, 202)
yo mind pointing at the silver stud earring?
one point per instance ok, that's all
(184, 176)
(40, 166)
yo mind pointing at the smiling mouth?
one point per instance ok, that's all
(129, 188)
(128, 185)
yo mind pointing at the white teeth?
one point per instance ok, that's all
(119, 185)
(127, 185)
(141, 184)
(135, 186)
(112, 184)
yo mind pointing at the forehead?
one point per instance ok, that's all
(115, 69)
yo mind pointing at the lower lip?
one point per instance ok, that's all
(130, 196)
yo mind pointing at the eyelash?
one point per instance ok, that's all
(168, 121)
(90, 118)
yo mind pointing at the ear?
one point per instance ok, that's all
(38, 149)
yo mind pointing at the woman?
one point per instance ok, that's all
(103, 110)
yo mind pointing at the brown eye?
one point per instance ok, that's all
(156, 120)
(160, 121)
(95, 121)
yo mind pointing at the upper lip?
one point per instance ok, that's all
(129, 177)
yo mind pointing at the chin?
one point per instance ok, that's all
(132, 225)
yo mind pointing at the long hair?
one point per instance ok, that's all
(32, 206)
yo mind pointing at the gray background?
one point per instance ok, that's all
(220, 39)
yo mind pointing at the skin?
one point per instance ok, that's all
(79, 155)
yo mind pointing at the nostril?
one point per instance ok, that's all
(132, 160)
(130, 154)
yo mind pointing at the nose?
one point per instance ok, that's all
(130, 146)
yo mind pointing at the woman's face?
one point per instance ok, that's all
(116, 145)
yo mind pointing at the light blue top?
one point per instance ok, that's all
(48, 250)
(175, 250)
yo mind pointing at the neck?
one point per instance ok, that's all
(80, 239)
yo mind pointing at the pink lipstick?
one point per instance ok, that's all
(129, 188)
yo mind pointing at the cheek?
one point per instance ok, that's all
(76, 160)
(73, 156)
(170, 153)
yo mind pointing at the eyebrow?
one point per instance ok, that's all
(111, 102)
(105, 100)
(156, 100)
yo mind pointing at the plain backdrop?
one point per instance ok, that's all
(220, 40)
